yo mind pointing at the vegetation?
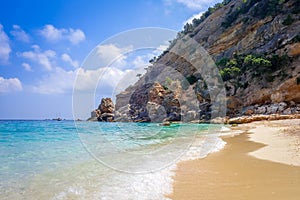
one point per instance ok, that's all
(190, 27)
(209, 11)
(230, 68)
(258, 65)
(234, 14)
(288, 20)
(168, 81)
(296, 38)
(296, 7)
(254, 8)
(229, 73)
(261, 10)
(237, 68)
(256, 62)
(279, 61)
(192, 79)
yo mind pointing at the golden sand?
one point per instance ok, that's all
(233, 174)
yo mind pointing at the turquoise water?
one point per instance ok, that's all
(90, 160)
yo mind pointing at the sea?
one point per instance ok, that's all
(45, 159)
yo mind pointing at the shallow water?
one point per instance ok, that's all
(90, 160)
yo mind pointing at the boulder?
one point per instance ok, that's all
(218, 120)
(191, 116)
(287, 111)
(166, 123)
(106, 106)
(260, 110)
(105, 111)
(95, 114)
(248, 110)
(272, 109)
(107, 116)
(248, 119)
(156, 112)
(282, 107)
(173, 117)
(277, 97)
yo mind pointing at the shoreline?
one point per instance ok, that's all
(282, 141)
(249, 167)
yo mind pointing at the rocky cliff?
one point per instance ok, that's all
(255, 45)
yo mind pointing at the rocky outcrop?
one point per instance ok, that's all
(106, 106)
(248, 119)
(275, 108)
(150, 102)
(95, 114)
(173, 89)
(105, 111)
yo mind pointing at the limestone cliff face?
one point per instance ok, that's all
(256, 46)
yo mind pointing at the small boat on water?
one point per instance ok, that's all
(57, 119)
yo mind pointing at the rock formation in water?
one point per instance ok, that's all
(105, 111)
(255, 45)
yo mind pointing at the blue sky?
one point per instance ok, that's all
(43, 45)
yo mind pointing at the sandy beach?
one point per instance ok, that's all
(261, 163)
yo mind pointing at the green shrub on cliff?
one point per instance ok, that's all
(296, 7)
(232, 17)
(192, 79)
(229, 72)
(259, 62)
(188, 28)
(296, 39)
(288, 20)
(261, 10)
(168, 81)
(260, 65)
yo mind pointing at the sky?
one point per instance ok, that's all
(53, 49)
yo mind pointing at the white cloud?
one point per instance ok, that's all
(195, 4)
(4, 46)
(110, 68)
(140, 62)
(67, 58)
(159, 50)
(58, 81)
(105, 78)
(27, 67)
(44, 58)
(76, 36)
(190, 20)
(20, 34)
(111, 54)
(52, 33)
(199, 5)
(10, 85)
(61, 81)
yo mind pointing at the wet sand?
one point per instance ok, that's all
(235, 172)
